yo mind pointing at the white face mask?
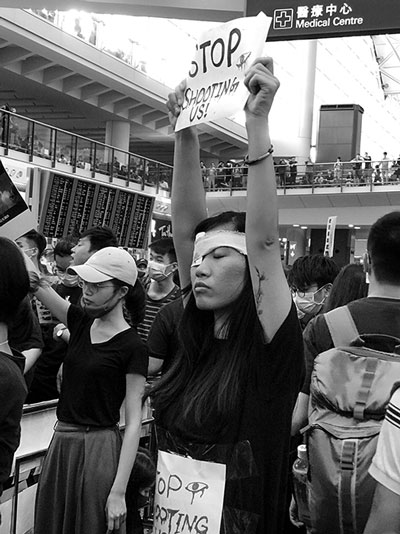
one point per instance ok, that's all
(158, 271)
(306, 304)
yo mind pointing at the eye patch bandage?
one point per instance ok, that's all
(207, 242)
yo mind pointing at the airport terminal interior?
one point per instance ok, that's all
(86, 140)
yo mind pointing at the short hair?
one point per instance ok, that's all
(100, 237)
(314, 269)
(164, 246)
(63, 247)
(383, 246)
(38, 239)
(14, 279)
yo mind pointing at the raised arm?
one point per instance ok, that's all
(50, 298)
(271, 292)
(188, 203)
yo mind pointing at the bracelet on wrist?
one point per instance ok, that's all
(267, 154)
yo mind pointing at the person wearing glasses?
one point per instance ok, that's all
(86, 470)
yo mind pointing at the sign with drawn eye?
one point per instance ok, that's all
(189, 495)
(214, 85)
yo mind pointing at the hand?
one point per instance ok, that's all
(174, 103)
(262, 86)
(60, 327)
(294, 514)
(115, 511)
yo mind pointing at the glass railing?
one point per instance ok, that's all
(77, 154)
(74, 153)
(310, 177)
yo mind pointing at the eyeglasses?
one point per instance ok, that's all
(94, 288)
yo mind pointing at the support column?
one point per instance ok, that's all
(117, 135)
(306, 94)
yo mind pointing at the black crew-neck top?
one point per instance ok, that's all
(94, 374)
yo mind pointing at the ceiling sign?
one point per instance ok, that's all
(303, 19)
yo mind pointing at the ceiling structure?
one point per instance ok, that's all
(61, 80)
(387, 52)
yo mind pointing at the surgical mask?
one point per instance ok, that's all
(95, 311)
(158, 271)
(68, 280)
(306, 303)
(30, 252)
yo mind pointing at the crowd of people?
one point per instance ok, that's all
(226, 338)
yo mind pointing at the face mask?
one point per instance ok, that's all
(68, 280)
(306, 304)
(95, 311)
(158, 271)
(30, 252)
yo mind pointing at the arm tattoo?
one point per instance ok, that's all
(261, 278)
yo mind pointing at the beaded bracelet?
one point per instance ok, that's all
(249, 162)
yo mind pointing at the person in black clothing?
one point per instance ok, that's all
(14, 287)
(229, 395)
(106, 363)
(44, 382)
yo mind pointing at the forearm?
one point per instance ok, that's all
(127, 457)
(188, 205)
(31, 355)
(53, 301)
(262, 202)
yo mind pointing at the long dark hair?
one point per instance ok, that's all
(14, 279)
(206, 375)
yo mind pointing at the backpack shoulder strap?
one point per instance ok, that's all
(341, 326)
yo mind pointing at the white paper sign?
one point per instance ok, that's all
(214, 86)
(15, 217)
(189, 495)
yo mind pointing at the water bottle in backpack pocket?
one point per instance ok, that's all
(350, 390)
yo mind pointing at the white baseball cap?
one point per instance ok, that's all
(106, 264)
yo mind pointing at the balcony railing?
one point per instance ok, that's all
(77, 154)
(74, 153)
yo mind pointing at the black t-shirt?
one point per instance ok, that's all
(163, 340)
(257, 477)
(94, 375)
(372, 315)
(44, 382)
(24, 332)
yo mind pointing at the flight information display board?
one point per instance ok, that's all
(71, 205)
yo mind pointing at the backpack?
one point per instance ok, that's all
(351, 386)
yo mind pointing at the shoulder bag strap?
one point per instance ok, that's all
(341, 326)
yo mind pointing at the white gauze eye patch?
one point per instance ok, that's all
(206, 242)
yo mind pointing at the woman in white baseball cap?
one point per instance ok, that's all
(87, 467)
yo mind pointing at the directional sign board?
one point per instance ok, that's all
(308, 19)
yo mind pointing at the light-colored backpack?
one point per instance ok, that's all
(350, 390)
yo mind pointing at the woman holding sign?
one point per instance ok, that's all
(226, 404)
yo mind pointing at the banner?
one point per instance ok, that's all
(15, 217)
(330, 236)
(214, 86)
(189, 495)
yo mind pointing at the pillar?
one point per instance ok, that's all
(306, 93)
(117, 135)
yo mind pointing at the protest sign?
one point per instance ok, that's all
(214, 86)
(15, 217)
(189, 495)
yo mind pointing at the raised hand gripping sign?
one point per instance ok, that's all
(189, 495)
(214, 86)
